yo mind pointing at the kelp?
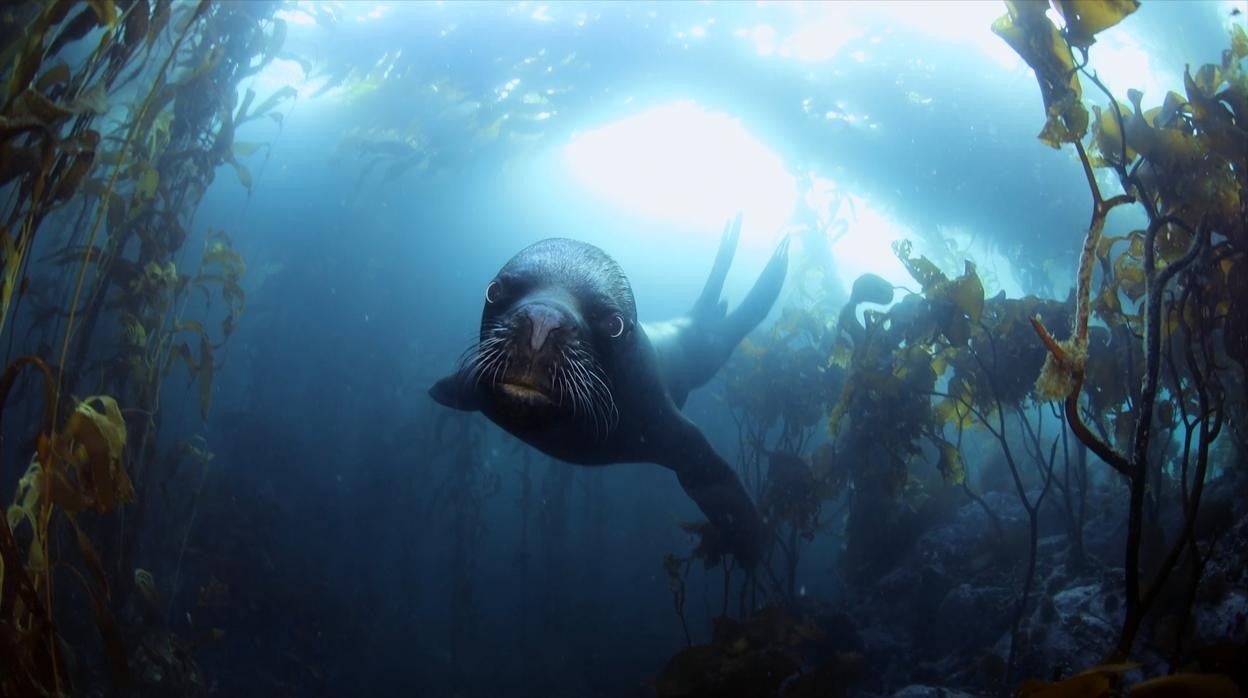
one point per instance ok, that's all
(760, 656)
(1184, 164)
(126, 310)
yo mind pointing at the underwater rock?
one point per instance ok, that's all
(964, 616)
(840, 634)
(1067, 627)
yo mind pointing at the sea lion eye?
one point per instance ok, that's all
(493, 292)
(615, 326)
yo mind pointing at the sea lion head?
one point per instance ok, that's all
(555, 320)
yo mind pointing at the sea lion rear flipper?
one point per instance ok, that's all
(761, 297)
(714, 486)
(455, 393)
(709, 300)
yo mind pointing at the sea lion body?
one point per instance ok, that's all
(563, 364)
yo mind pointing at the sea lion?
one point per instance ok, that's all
(562, 363)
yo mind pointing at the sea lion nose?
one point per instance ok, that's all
(543, 319)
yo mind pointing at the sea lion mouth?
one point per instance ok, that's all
(526, 393)
(561, 378)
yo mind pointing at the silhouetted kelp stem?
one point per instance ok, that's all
(1191, 502)
(1135, 464)
(1045, 469)
(1074, 494)
(993, 519)
(1135, 468)
(677, 569)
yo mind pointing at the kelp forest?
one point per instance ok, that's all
(1031, 496)
(1100, 555)
(116, 117)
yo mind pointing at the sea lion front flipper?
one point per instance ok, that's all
(454, 392)
(714, 486)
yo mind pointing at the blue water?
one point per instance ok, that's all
(381, 551)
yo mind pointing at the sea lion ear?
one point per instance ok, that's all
(452, 392)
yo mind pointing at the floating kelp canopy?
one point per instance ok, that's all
(116, 117)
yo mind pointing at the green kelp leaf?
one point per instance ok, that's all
(951, 466)
(967, 292)
(1239, 42)
(1067, 122)
(105, 11)
(94, 438)
(1086, 18)
(1107, 136)
(1168, 148)
(1212, 117)
(1130, 276)
(922, 269)
(149, 179)
(244, 174)
(243, 149)
(1038, 42)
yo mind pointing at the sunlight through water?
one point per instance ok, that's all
(682, 164)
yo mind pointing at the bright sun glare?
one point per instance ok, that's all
(684, 165)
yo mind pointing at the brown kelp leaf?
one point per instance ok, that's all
(17, 162)
(73, 176)
(75, 29)
(105, 11)
(32, 103)
(56, 75)
(244, 174)
(1034, 38)
(267, 105)
(248, 98)
(160, 18)
(27, 66)
(244, 148)
(1086, 18)
(92, 441)
(951, 466)
(135, 28)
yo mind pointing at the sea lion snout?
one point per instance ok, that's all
(543, 320)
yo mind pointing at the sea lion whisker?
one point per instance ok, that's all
(599, 406)
(582, 402)
(591, 374)
(480, 362)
